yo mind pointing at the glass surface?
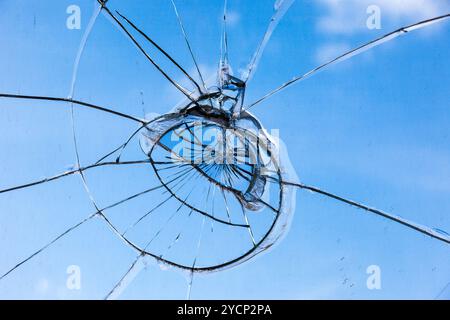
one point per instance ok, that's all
(373, 129)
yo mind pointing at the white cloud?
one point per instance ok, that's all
(233, 18)
(42, 286)
(330, 51)
(349, 16)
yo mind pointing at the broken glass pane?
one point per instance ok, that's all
(131, 149)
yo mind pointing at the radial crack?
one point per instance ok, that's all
(130, 36)
(79, 103)
(180, 21)
(410, 224)
(390, 36)
(281, 8)
(162, 51)
(74, 227)
(68, 173)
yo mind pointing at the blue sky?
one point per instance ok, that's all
(374, 129)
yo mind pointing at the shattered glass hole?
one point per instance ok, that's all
(229, 193)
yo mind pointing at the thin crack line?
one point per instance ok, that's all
(74, 227)
(72, 101)
(390, 36)
(412, 225)
(162, 51)
(68, 173)
(188, 44)
(130, 36)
